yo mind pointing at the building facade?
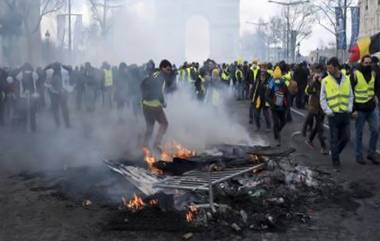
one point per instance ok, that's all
(369, 17)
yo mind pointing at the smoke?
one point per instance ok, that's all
(175, 30)
(201, 124)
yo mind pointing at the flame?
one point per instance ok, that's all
(136, 203)
(148, 156)
(169, 151)
(153, 202)
(191, 214)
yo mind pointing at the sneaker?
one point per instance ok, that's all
(324, 151)
(310, 144)
(373, 160)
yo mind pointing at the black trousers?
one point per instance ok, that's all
(279, 121)
(59, 103)
(339, 134)
(255, 113)
(318, 129)
(308, 123)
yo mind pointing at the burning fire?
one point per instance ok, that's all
(137, 203)
(169, 151)
(153, 202)
(191, 214)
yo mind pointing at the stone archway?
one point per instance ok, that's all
(224, 23)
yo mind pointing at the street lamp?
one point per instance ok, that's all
(288, 4)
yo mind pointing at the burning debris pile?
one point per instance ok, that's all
(238, 187)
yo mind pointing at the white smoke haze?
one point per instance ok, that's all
(198, 124)
(143, 30)
(101, 135)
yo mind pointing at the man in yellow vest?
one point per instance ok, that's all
(365, 109)
(107, 85)
(336, 99)
(225, 76)
(153, 102)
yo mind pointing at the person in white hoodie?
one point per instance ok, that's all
(59, 88)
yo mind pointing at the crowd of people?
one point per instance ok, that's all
(338, 92)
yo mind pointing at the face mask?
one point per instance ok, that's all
(367, 69)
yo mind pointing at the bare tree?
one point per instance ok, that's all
(274, 30)
(24, 7)
(100, 10)
(30, 13)
(300, 18)
(326, 14)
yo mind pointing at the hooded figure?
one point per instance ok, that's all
(277, 95)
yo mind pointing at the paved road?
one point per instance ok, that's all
(26, 215)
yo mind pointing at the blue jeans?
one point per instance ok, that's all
(372, 118)
(339, 125)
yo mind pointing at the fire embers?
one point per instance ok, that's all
(192, 214)
(168, 152)
(137, 203)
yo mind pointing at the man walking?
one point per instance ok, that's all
(363, 84)
(336, 102)
(153, 103)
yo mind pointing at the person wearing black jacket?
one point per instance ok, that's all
(363, 81)
(257, 97)
(153, 103)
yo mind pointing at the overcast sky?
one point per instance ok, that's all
(252, 10)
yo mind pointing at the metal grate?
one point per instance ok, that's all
(202, 181)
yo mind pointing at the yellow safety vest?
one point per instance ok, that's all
(364, 91)
(337, 96)
(225, 76)
(188, 71)
(238, 74)
(108, 78)
(182, 74)
(287, 78)
(254, 72)
(344, 72)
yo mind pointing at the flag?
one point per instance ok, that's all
(355, 19)
(364, 46)
(341, 31)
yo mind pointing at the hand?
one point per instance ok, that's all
(164, 105)
(355, 115)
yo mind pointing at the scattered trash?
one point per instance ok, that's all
(86, 203)
(187, 236)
